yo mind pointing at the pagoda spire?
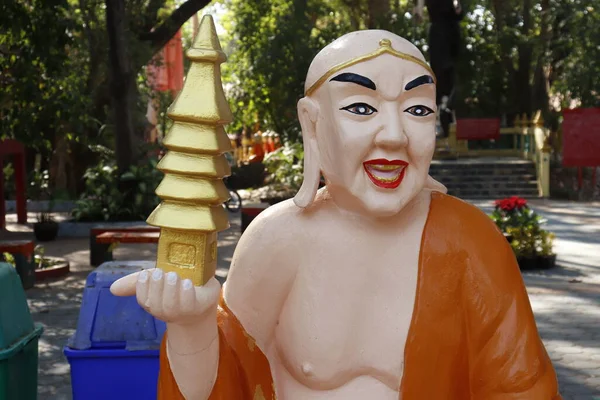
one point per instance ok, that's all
(192, 191)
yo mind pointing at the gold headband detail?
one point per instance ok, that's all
(385, 46)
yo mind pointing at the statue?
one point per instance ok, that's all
(444, 48)
(377, 286)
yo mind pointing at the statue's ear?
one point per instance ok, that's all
(435, 185)
(308, 112)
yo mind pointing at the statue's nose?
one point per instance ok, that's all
(392, 134)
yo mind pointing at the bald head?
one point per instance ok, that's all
(353, 46)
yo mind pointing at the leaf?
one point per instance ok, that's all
(128, 176)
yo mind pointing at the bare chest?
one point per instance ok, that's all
(349, 312)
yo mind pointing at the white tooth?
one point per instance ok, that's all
(393, 174)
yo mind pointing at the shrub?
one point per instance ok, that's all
(522, 226)
(109, 196)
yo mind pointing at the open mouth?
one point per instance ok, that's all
(384, 173)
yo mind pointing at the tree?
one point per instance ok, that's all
(271, 45)
(42, 74)
(132, 43)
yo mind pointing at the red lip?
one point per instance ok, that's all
(377, 181)
(383, 161)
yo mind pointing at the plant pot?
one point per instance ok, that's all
(547, 262)
(45, 231)
(527, 263)
(54, 271)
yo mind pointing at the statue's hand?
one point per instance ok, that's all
(169, 298)
(191, 315)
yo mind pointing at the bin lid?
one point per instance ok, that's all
(15, 319)
(110, 322)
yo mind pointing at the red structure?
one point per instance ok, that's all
(165, 72)
(581, 140)
(581, 137)
(15, 149)
(478, 128)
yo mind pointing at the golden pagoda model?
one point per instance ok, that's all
(192, 191)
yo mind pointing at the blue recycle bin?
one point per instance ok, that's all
(114, 353)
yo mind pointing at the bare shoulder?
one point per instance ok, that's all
(263, 269)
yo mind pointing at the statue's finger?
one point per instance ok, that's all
(187, 297)
(125, 286)
(171, 294)
(155, 291)
(141, 291)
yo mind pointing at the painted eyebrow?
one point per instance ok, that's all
(422, 80)
(355, 78)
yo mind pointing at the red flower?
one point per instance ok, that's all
(511, 203)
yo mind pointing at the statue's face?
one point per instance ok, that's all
(376, 133)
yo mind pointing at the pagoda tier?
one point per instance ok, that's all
(192, 191)
(199, 139)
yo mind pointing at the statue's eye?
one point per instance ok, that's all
(360, 109)
(419, 111)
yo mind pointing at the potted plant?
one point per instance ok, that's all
(285, 168)
(532, 245)
(48, 267)
(46, 228)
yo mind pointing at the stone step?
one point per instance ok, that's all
(448, 178)
(504, 189)
(470, 170)
(492, 194)
(486, 178)
(483, 161)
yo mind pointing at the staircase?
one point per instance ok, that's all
(486, 178)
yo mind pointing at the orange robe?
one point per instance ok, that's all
(472, 334)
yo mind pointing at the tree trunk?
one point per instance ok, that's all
(540, 100)
(378, 13)
(509, 105)
(122, 84)
(523, 75)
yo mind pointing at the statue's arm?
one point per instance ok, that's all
(257, 285)
(507, 358)
(236, 371)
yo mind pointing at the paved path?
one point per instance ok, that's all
(565, 300)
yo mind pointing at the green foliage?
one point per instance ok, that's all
(42, 73)
(270, 51)
(529, 241)
(9, 183)
(271, 44)
(40, 261)
(8, 258)
(517, 56)
(523, 227)
(109, 196)
(285, 167)
(574, 52)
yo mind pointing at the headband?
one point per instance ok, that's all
(385, 46)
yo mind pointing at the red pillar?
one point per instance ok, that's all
(19, 162)
(2, 203)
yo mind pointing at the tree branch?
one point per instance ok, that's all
(150, 14)
(162, 33)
